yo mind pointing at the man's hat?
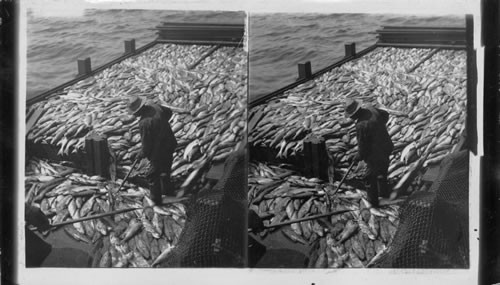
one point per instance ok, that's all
(351, 107)
(135, 104)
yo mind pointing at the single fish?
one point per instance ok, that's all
(142, 246)
(350, 228)
(317, 228)
(73, 233)
(177, 230)
(89, 228)
(374, 225)
(120, 228)
(293, 236)
(157, 223)
(322, 261)
(101, 227)
(304, 209)
(357, 248)
(168, 229)
(87, 206)
(139, 260)
(163, 255)
(148, 226)
(153, 249)
(384, 231)
(306, 227)
(370, 250)
(296, 226)
(365, 215)
(365, 228)
(133, 228)
(354, 261)
(105, 259)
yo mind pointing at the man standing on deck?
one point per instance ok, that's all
(158, 145)
(374, 146)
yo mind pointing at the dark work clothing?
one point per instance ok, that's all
(35, 217)
(374, 142)
(254, 222)
(158, 145)
(157, 138)
(155, 180)
(36, 249)
(374, 147)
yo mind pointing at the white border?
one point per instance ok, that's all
(254, 276)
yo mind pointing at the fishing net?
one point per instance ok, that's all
(433, 228)
(215, 230)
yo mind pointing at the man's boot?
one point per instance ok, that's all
(166, 186)
(156, 192)
(383, 189)
(372, 193)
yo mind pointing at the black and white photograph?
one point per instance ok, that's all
(256, 142)
(136, 139)
(358, 141)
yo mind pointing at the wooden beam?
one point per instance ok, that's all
(304, 70)
(84, 66)
(207, 32)
(129, 46)
(350, 50)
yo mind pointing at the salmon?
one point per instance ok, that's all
(291, 235)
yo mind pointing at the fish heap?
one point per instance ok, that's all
(426, 106)
(356, 237)
(208, 99)
(138, 238)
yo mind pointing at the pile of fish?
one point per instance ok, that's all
(426, 100)
(356, 237)
(208, 99)
(139, 238)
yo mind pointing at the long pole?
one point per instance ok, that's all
(345, 176)
(93, 217)
(307, 218)
(128, 174)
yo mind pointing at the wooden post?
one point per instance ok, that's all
(305, 70)
(89, 151)
(101, 156)
(130, 46)
(307, 157)
(84, 66)
(97, 155)
(350, 50)
(315, 157)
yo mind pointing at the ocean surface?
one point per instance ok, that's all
(54, 44)
(277, 43)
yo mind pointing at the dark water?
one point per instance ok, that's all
(278, 42)
(54, 44)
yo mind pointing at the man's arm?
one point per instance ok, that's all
(384, 115)
(166, 111)
(363, 136)
(146, 129)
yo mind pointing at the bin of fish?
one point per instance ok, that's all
(208, 103)
(139, 238)
(423, 90)
(355, 237)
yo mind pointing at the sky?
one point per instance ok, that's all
(70, 8)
